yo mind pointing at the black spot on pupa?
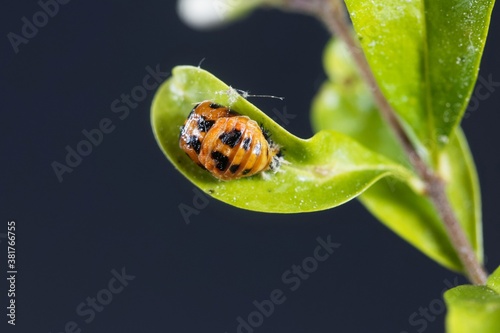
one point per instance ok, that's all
(231, 138)
(221, 160)
(214, 106)
(194, 143)
(234, 168)
(266, 133)
(211, 191)
(204, 125)
(246, 171)
(246, 143)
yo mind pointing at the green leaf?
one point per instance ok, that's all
(345, 104)
(322, 172)
(413, 217)
(425, 56)
(474, 308)
(494, 281)
(456, 166)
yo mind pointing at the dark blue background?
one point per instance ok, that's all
(119, 208)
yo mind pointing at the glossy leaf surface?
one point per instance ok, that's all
(322, 172)
(345, 104)
(474, 308)
(425, 56)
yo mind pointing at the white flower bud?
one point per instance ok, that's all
(206, 14)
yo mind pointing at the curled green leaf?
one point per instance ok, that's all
(321, 172)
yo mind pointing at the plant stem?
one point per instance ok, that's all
(333, 14)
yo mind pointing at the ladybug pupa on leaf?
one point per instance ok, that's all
(228, 145)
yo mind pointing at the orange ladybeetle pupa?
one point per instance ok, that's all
(228, 145)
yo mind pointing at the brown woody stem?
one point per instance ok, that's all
(333, 14)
